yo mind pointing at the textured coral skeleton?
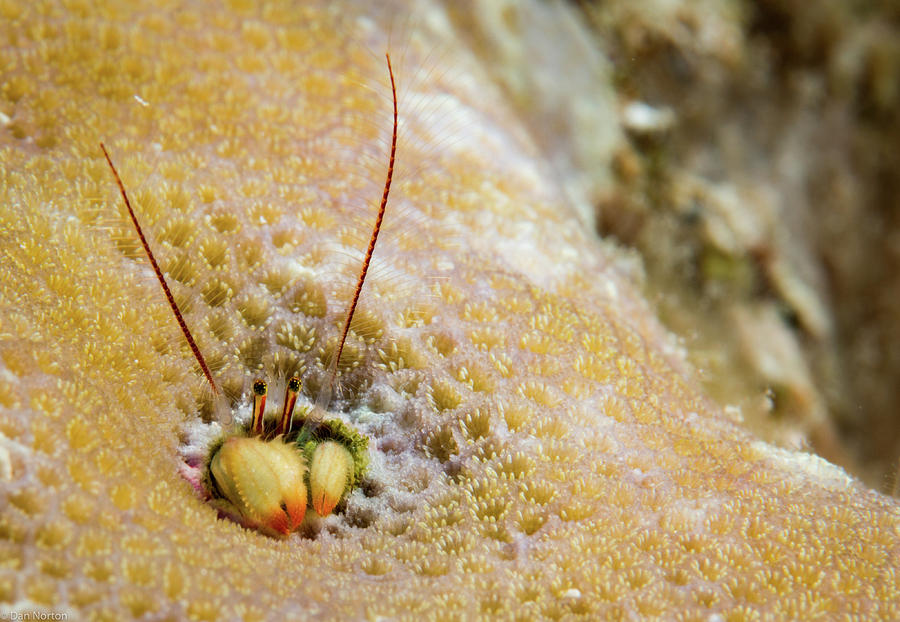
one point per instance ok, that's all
(540, 448)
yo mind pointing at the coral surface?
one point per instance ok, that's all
(538, 444)
(747, 150)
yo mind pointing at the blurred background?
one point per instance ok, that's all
(744, 154)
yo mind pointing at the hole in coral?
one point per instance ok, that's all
(310, 529)
(308, 299)
(440, 444)
(360, 517)
(225, 222)
(376, 567)
(276, 280)
(400, 354)
(214, 251)
(443, 396)
(254, 310)
(443, 343)
(221, 325)
(216, 292)
(371, 487)
(177, 231)
(476, 425)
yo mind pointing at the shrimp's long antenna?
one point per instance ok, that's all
(160, 277)
(325, 394)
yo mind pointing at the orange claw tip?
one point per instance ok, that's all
(324, 504)
(278, 522)
(329, 476)
(296, 511)
(292, 473)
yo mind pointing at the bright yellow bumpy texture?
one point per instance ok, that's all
(538, 447)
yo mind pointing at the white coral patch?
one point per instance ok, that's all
(800, 463)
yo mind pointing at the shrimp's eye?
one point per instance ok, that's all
(290, 400)
(263, 481)
(260, 389)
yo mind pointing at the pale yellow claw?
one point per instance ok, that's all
(263, 480)
(329, 476)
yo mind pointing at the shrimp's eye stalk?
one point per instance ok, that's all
(263, 482)
(290, 400)
(260, 388)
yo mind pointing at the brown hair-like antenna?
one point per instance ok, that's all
(159, 276)
(325, 394)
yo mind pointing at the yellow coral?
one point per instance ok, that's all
(538, 448)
